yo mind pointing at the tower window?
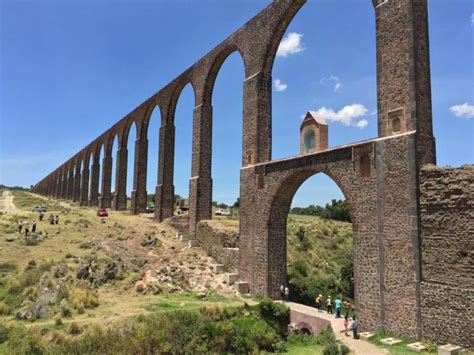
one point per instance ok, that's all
(309, 141)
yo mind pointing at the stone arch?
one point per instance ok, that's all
(175, 98)
(147, 118)
(125, 131)
(216, 67)
(283, 192)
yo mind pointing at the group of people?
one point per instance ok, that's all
(53, 219)
(332, 307)
(25, 226)
(338, 305)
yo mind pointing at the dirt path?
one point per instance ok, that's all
(6, 203)
(357, 346)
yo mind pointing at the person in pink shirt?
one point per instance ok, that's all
(346, 325)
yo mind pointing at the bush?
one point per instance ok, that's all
(331, 349)
(3, 333)
(58, 321)
(75, 329)
(5, 310)
(66, 312)
(277, 315)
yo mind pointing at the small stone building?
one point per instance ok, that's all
(313, 134)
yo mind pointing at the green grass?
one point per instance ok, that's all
(399, 349)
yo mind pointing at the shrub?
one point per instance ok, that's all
(13, 286)
(66, 312)
(58, 321)
(277, 315)
(344, 350)
(3, 333)
(331, 349)
(5, 310)
(75, 329)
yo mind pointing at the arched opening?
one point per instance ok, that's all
(311, 221)
(113, 152)
(101, 170)
(153, 134)
(183, 121)
(130, 144)
(227, 103)
(91, 162)
(326, 66)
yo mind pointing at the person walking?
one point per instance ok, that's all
(319, 303)
(346, 325)
(329, 305)
(282, 291)
(27, 229)
(347, 308)
(51, 219)
(41, 216)
(338, 304)
(287, 294)
(33, 227)
(354, 327)
(56, 219)
(20, 227)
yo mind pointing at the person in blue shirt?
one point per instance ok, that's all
(338, 304)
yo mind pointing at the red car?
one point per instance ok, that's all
(102, 212)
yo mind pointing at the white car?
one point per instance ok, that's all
(223, 213)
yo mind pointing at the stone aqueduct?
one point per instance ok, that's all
(380, 178)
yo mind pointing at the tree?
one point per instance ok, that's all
(237, 203)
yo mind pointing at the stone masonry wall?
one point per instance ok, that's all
(447, 229)
(221, 242)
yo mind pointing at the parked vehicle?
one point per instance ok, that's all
(150, 209)
(223, 213)
(182, 204)
(39, 209)
(102, 212)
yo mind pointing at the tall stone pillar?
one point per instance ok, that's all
(120, 198)
(256, 149)
(139, 193)
(200, 185)
(70, 183)
(106, 195)
(63, 185)
(85, 184)
(403, 73)
(164, 194)
(77, 184)
(94, 188)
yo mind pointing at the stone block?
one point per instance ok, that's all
(217, 268)
(366, 335)
(242, 287)
(390, 341)
(449, 349)
(193, 243)
(184, 237)
(232, 278)
(417, 347)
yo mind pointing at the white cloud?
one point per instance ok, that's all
(279, 85)
(291, 44)
(472, 19)
(362, 123)
(465, 110)
(346, 115)
(332, 80)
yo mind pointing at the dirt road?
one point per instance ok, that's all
(6, 203)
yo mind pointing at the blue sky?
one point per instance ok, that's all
(70, 69)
